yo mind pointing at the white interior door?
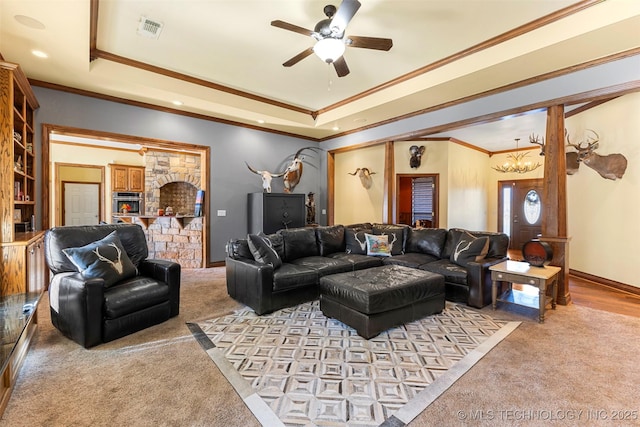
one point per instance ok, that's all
(81, 206)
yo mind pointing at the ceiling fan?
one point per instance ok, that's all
(330, 39)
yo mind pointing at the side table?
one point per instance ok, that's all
(523, 273)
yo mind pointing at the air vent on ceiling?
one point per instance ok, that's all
(149, 28)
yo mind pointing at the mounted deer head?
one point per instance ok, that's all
(365, 176)
(416, 155)
(266, 177)
(535, 139)
(612, 166)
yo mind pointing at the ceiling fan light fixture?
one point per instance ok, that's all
(329, 49)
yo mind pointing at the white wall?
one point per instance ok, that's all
(604, 215)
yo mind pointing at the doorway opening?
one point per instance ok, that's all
(520, 210)
(417, 200)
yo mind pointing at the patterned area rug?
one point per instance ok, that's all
(297, 367)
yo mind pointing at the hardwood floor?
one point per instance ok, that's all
(595, 295)
(601, 297)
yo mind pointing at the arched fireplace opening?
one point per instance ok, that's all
(181, 196)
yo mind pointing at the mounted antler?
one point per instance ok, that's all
(293, 172)
(612, 166)
(266, 177)
(535, 139)
(365, 176)
(117, 264)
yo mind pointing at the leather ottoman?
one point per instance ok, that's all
(376, 299)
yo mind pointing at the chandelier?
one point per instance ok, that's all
(516, 163)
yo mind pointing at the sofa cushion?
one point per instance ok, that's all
(452, 272)
(330, 239)
(360, 226)
(378, 245)
(104, 259)
(470, 248)
(453, 236)
(397, 236)
(263, 251)
(324, 265)
(291, 276)
(426, 241)
(299, 243)
(411, 259)
(358, 261)
(355, 242)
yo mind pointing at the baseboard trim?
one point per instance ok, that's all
(633, 290)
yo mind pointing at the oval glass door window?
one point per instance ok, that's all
(532, 207)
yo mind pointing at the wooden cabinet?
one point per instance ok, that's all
(23, 266)
(270, 212)
(17, 157)
(127, 178)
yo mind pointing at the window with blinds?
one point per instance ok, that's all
(421, 199)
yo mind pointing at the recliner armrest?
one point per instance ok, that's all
(167, 272)
(79, 308)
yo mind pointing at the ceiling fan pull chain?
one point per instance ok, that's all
(329, 81)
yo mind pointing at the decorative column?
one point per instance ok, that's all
(389, 184)
(554, 199)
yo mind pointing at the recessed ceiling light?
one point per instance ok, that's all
(360, 120)
(39, 53)
(178, 103)
(335, 128)
(261, 121)
(28, 21)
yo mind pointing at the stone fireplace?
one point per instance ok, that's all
(173, 179)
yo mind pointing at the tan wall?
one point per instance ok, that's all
(353, 203)
(434, 161)
(604, 215)
(468, 188)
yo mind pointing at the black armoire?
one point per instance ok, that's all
(270, 212)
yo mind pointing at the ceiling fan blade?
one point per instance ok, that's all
(369, 42)
(299, 57)
(291, 27)
(343, 16)
(341, 67)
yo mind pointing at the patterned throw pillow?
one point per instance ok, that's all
(378, 245)
(262, 250)
(469, 248)
(105, 259)
(355, 241)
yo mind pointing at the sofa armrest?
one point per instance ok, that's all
(479, 281)
(167, 272)
(76, 307)
(250, 283)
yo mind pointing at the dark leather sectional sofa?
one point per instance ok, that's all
(307, 254)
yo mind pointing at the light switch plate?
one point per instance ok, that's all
(222, 213)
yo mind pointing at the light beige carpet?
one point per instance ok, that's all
(580, 363)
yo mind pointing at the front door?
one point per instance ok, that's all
(520, 210)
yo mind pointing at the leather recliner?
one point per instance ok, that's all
(90, 313)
